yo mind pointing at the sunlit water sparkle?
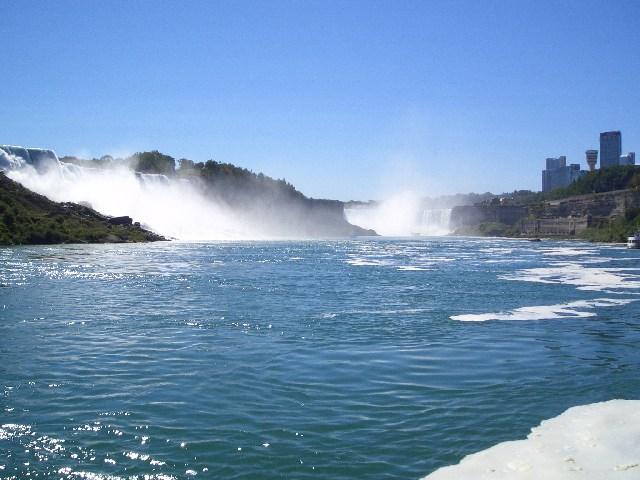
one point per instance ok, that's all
(324, 359)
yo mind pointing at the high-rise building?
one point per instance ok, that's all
(558, 174)
(628, 159)
(610, 149)
(555, 163)
(592, 159)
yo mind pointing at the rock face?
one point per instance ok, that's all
(471, 215)
(560, 226)
(566, 217)
(604, 205)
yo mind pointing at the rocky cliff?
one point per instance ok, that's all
(581, 215)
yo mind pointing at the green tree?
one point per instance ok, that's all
(154, 162)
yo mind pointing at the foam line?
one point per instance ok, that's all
(583, 278)
(577, 309)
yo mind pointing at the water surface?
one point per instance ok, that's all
(324, 359)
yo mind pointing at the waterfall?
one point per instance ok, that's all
(401, 215)
(12, 158)
(171, 207)
(434, 221)
(177, 206)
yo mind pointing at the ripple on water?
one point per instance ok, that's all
(300, 359)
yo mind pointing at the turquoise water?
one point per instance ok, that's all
(325, 359)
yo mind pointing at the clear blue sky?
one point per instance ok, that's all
(344, 99)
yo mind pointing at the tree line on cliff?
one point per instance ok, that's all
(233, 184)
(270, 205)
(620, 177)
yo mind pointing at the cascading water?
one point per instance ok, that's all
(434, 221)
(171, 207)
(12, 158)
(401, 215)
(182, 206)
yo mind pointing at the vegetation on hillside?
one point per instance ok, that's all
(599, 181)
(29, 218)
(236, 184)
(153, 162)
(602, 180)
(268, 204)
(224, 180)
(616, 229)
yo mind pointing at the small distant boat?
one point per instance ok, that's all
(634, 241)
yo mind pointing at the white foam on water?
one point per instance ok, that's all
(366, 262)
(584, 278)
(584, 274)
(577, 309)
(497, 250)
(600, 441)
(568, 251)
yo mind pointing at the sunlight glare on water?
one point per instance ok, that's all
(380, 358)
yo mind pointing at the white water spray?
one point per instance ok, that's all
(172, 207)
(402, 214)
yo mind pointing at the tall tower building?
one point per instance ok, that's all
(592, 159)
(610, 149)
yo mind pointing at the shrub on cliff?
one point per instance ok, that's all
(615, 229)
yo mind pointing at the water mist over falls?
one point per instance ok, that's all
(172, 208)
(186, 208)
(404, 214)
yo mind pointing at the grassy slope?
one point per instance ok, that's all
(29, 218)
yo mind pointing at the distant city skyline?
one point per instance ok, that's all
(557, 174)
(346, 100)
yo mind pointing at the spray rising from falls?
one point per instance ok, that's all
(173, 208)
(178, 207)
(404, 214)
